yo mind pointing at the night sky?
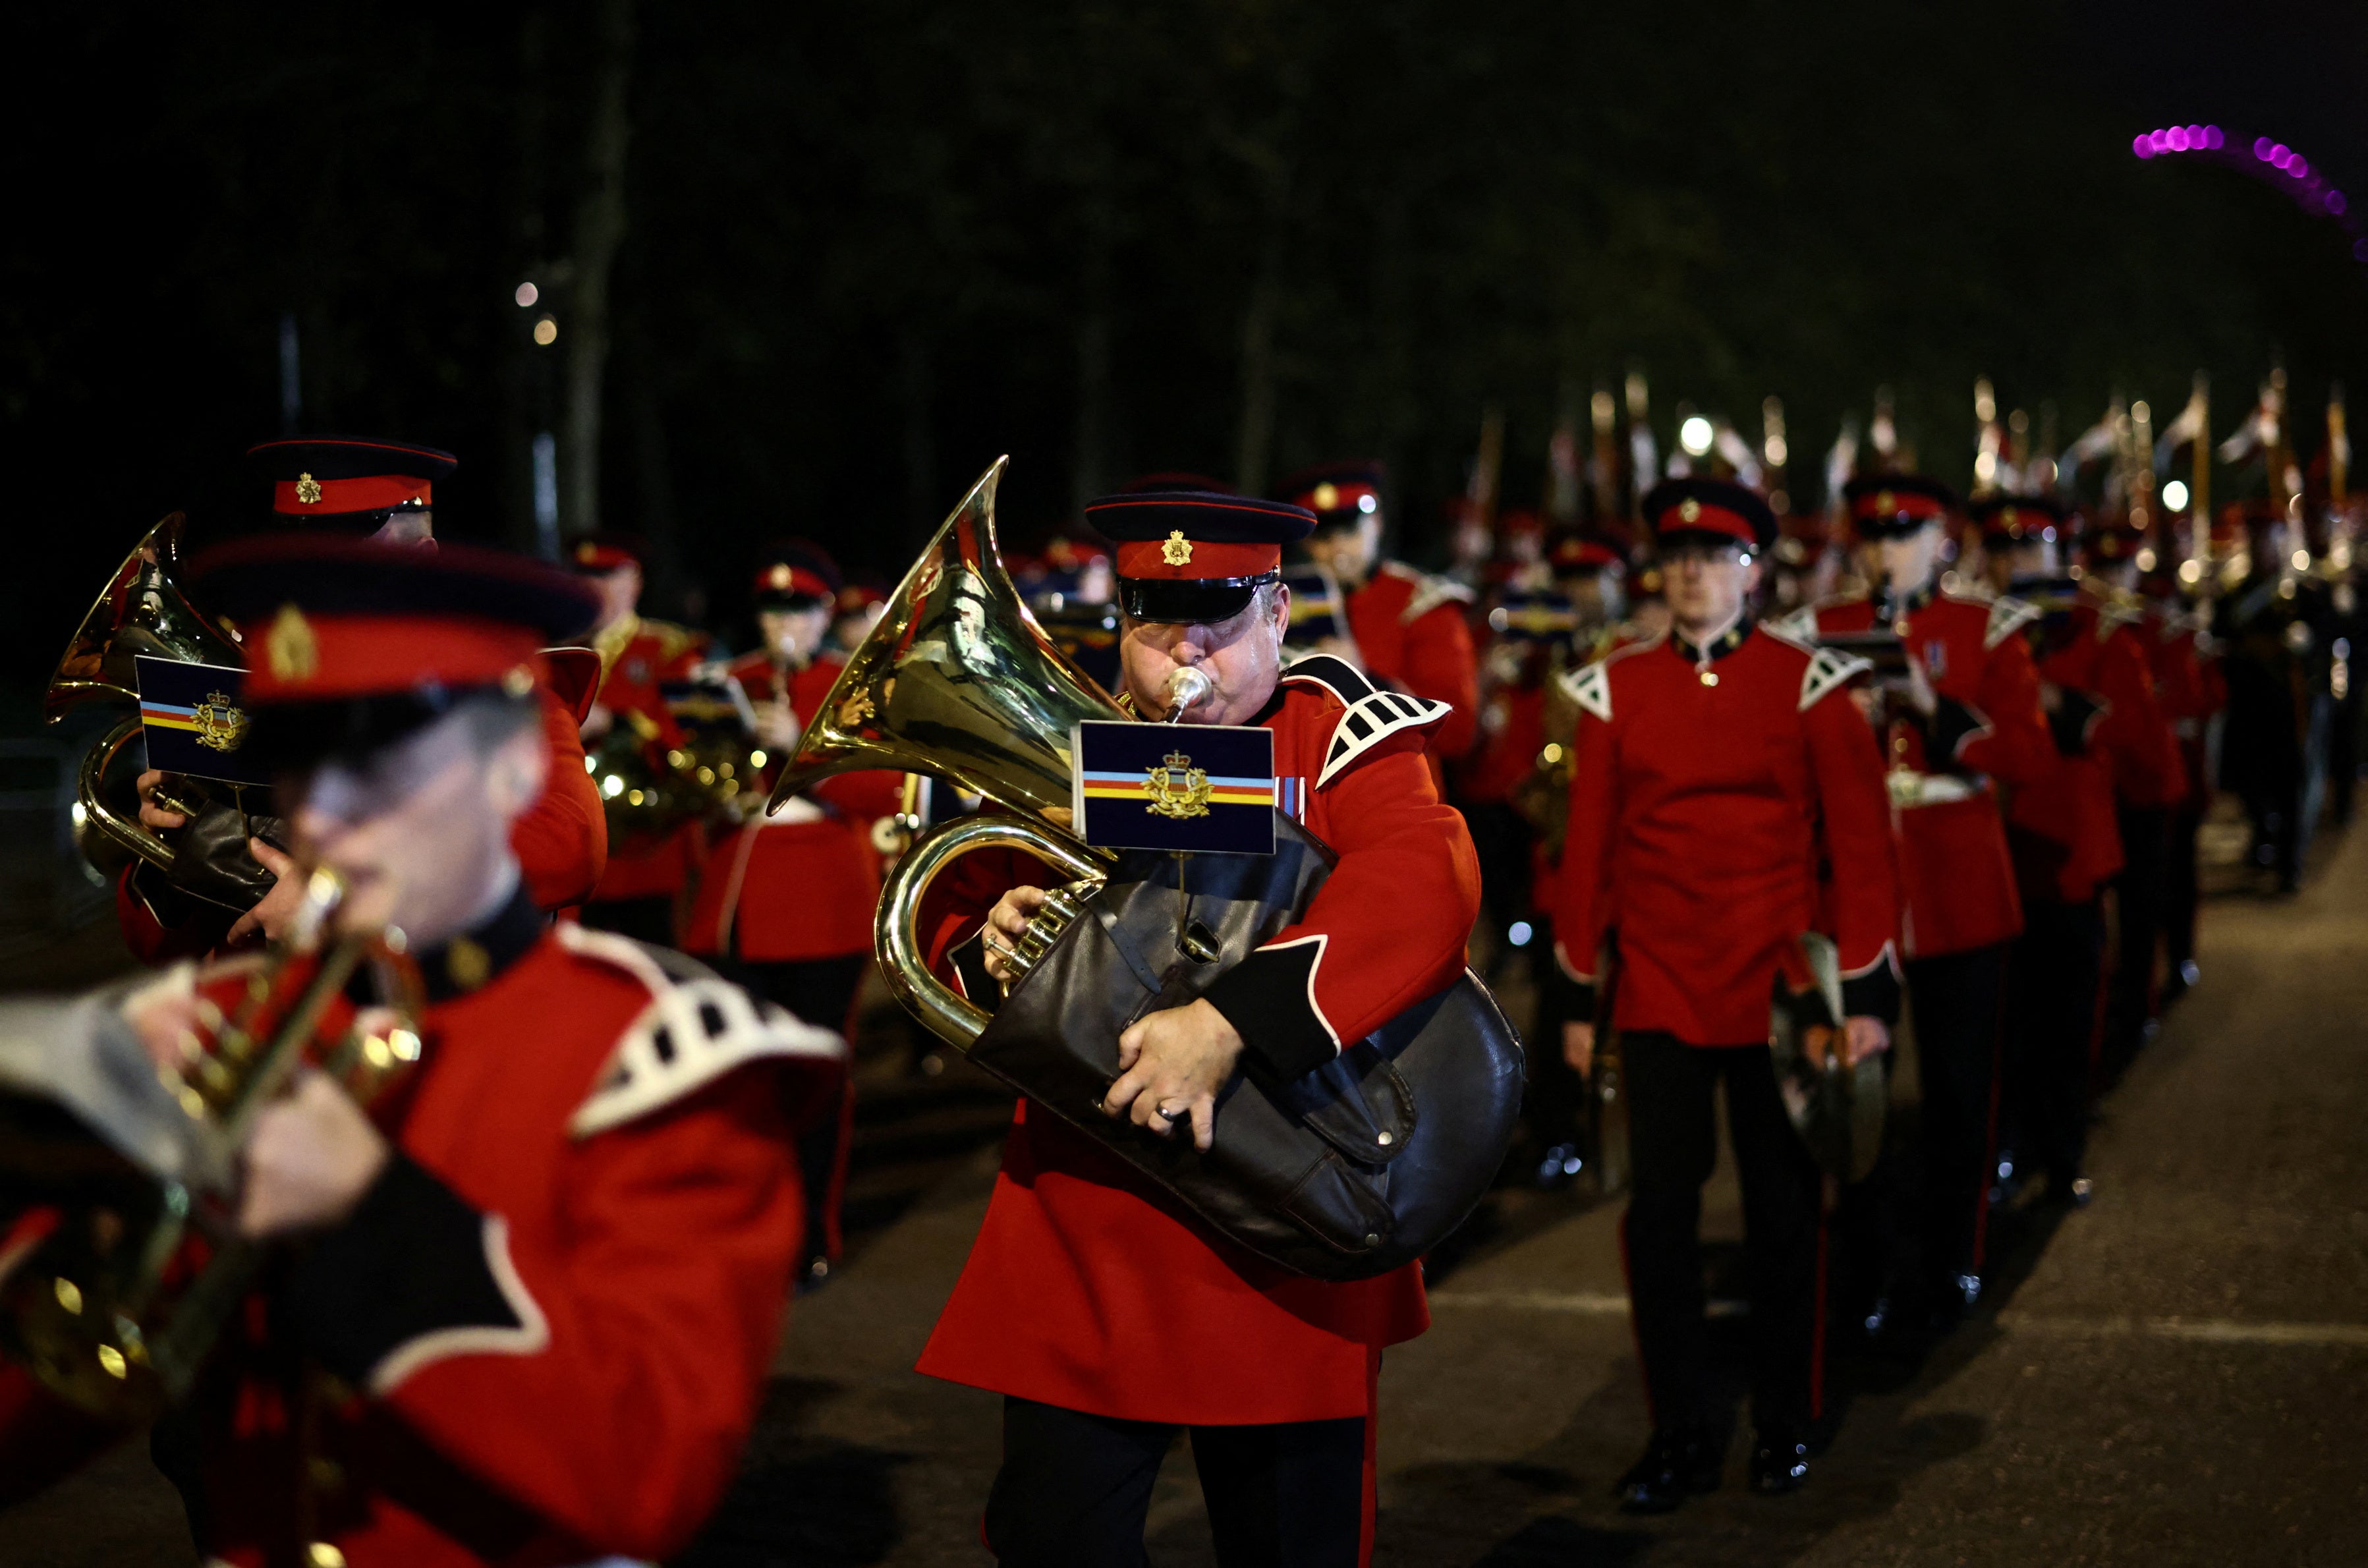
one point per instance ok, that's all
(869, 248)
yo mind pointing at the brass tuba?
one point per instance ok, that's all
(142, 611)
(958, 680)
(117, 1177)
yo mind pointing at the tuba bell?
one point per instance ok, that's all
(120, 1266)
(958, 681)
(141, 612)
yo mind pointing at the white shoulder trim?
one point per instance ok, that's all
(1589, 686)
(1828, 671)
(1370, 720)
(530, 1338)
(2112, 618)
(2008, 615)
(696, 1028)
(1429, 593)
(1800, 625)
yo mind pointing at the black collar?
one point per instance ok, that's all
(1725, 642)
(471, 959)
(1890, 606)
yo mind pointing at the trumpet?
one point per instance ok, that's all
(121, 1265)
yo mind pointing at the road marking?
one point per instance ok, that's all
(2224, 1331)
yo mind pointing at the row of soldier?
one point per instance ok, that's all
(1946, 771)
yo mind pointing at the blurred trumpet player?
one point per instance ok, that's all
(785, 901)
(384, 491)
(525, 1297)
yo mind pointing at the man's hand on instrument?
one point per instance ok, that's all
(1863, 1037)
(1006, 924)
(309, 1161)
(269, 916)
(1578, 1045)
(1171, 1065)
(152, 816)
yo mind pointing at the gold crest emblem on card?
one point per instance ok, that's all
(221, 727)
(1177, 788)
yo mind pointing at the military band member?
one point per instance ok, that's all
(785, 902)
(1963, 726)
(527, 1307)
(1409, 626)
(385, 491)
(643, 892)
(2098, 694)
(1716, 770)
(2188, 680)
(2264, 627)
(1104, 1314)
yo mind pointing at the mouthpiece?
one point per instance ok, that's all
(1185, 687)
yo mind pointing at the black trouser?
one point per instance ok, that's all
(2052, 1032)
(1501, 838)
(2181, 891)
(649, 918)
(2139, 897)
(1958, 999)
(1074, 1489)
(1557, 1102)
(822, 991)
(1672, 1146)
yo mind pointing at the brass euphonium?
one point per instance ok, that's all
(143, 612)
(958, 681)
(121, 1264)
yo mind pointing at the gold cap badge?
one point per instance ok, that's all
(1177, 550)
(290, 647)
(1327, 497)
(1689, 509)
(1885, 501)
(308, 489)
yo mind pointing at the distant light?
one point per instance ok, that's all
(756, 759)
(2261, 148)
(2142, 146)
(2146, 558)
(1695, 434)
(2281, 154)
(2140, 412)
(2214, 139)
(527, 295)
(1519, 933)
(1985, 467)
(2174, 495)
(612, 786)
(2191, 571)
(546, 332)
(1779, 501)
(2335, 203)
(591, 765)
(2177, 137)
(2299, 167)
(1777, 451)
(80, 815)
(2302, 559)
(1366, 503)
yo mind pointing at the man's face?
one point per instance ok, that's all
(419, 829)
(409, 526)
(1705, 581)
(1349, 551)
(793, 635)
(1242, 656)
(620, 593)
(2030, 557)
(1909, 560)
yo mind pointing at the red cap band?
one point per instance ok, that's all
(783, 578)
(1898, 504)
(305, 497)
(1691, 516)
(1340, 495)
(294, 657)
(1178, 558)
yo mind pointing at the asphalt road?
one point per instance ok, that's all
(2178, 1374)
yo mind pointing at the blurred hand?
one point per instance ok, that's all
(1175, 1061)
(598, 721)
(308, 1160)
(1006, 924)
(777, 726)
(269, 916)
(1863, 1037)
(1578, 1046)
(152, 816)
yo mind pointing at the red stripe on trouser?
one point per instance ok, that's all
(1372, 1441)
(1825, 1188)
(1636, 1334)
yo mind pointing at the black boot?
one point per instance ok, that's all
(1780, 1461)
(1677, 1463)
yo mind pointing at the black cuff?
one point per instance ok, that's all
(409, 1261)
(969, 959)
(2074, 712)
(171, 908)
(1875, 994)
(1951, 724)
(1266, 998)
(1577, 997)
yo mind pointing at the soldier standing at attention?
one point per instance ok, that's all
(1717, 769)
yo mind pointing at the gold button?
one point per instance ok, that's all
(1710, 677)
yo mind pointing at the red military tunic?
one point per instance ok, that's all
(651, 654)
(1956, 874)
(1699, 816)
(801, 883)
(2189, 687)
(561, 841)
(2110, 735)
(1410, 631)
(1088, 1290)
(553, 1312)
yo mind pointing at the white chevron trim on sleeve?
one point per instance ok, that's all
(2008, 615)
(1828, 671)
(1589, 686)
(1371, 719)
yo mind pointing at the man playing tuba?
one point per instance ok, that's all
(1104, 1314)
